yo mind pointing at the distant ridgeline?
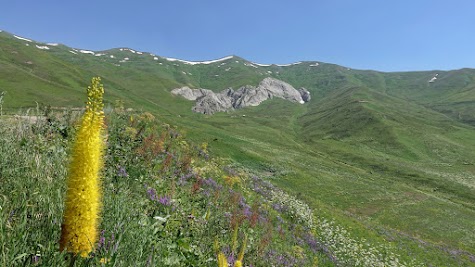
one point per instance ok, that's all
(209, 102)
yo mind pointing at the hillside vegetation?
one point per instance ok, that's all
(383, 159)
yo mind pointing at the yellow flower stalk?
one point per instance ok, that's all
(243, 249)
(79, 231)
(222, 261)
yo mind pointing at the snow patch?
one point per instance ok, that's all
(270, 72)
(112, 56)
(98, 55)
(198, 62)
(86, 52)
(286, 65)
(155, 58)
(53, 44)
(250, 65)
(183, 72)
(71, 51)
(27, 44)
(21, 38)
(314, 65)
(261, 65)
(131, 50)
(302, 102)
(42, 47)
(227, 69)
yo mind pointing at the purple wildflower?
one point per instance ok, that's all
(312, 242)
(242, 201)
(152, 194)
(246, 211)
(203, 154)
(277, 207)
(210, 182)
(165, 200)
(102, 240)
(206, 192)
(231, 259)
(184, 178)
(35, 258)
(230, 171)
(121, 172)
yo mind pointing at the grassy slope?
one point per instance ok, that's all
(370, 149)
(146, 161)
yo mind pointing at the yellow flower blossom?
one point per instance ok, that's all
(79, 231)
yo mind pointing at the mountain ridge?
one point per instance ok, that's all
(313, 63)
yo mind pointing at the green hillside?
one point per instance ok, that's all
(389, 157)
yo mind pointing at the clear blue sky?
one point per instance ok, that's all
(366, 34)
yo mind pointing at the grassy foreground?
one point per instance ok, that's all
(166, 201)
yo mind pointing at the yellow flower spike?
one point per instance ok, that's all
(243, 248)
(238, 263)
(79, 231)
(216, 245)
(235, 236)
(222, 261)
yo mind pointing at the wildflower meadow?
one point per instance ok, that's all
(121, 188)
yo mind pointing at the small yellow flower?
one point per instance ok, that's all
(104, 260)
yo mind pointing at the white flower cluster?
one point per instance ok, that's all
(295, 207)
(352, 252)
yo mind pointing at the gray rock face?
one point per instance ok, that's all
(305, 94)
(208, 102)
(191, 94)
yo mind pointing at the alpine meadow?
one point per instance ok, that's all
(227, 162)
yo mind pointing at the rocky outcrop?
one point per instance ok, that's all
(208, 102)
(305, 94)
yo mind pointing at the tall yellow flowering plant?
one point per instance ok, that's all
(222, 261)
(79, 231)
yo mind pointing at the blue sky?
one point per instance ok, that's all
(364, 34)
